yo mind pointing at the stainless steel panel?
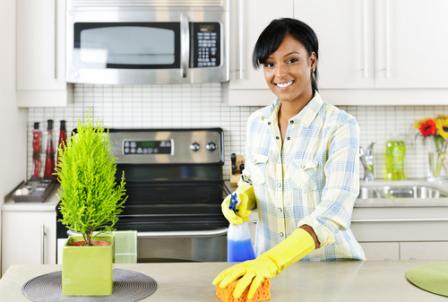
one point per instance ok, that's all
(182, 249)
(147, 14)
(182, 141)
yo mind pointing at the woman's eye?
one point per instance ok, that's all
(292, 60)
(268, 65)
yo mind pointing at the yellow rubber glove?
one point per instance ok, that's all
(299, 244)
(247, 202)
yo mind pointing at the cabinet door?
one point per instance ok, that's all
(381, 250)
(424, 250)
(28, 238)
(411, 44)
(41, 53)
(255, 15)
(344, 30)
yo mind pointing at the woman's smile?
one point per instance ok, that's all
(284, 85)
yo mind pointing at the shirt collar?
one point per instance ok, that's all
(304, 117)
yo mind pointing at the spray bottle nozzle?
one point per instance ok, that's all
(233, 202)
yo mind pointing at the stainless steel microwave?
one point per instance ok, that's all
(147, 41)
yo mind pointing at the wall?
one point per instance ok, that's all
(202, 106)
(12, 120)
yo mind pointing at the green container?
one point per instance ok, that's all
(395, 158)
(87, 270)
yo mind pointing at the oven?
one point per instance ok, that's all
(175, 188)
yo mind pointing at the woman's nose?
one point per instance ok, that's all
(280, 69)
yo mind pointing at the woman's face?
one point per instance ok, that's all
(287, 71)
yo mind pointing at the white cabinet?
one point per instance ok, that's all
(413, 232)
(248, 86)
(381, 44)
(28, 235)
(372, 52)
(41, 53)
(381, 250)
(345, 33)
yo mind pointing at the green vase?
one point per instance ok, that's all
(87, 270)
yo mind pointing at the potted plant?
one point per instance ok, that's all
(91, 199)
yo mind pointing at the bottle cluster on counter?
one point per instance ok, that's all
(42, 183)
(50, 149)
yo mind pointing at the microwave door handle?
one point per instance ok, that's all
(184, 45)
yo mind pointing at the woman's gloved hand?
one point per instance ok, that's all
(246, 198)
(253, 272)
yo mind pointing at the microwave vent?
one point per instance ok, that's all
(157, 3)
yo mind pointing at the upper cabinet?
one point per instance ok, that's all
(41, 53)
(345, 32)
(247, 86)
(372, 52)
(411, 48)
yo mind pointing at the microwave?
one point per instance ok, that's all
(147, 41)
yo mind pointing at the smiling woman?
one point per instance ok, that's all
(302, 165)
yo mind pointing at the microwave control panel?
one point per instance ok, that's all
(206, 44)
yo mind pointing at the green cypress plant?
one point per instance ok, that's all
(90, 197)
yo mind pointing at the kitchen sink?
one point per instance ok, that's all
(400, 191)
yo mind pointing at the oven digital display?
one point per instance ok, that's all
(132, 147)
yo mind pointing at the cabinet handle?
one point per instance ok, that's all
(184, 45)
(365, 64)
(55, 39)
(241, 47)
(387, 50)
(42, 243)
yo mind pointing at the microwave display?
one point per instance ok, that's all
(205, 46)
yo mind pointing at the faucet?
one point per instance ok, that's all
(366, 157)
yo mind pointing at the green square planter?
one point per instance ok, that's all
(87, 270)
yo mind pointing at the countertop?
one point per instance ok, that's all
(46, 206)
(345, 281)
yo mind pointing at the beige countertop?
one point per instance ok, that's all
(375, 281)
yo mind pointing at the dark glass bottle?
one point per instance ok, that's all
(37, 147)
(62, 141)
(49, 152)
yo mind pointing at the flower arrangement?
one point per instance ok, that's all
(438, 129)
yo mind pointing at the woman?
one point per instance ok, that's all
(302, 164)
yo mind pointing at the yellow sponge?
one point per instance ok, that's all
(263, 293)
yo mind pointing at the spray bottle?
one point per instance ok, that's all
(239, 244)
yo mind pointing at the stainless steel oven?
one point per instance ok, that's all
(147, 41)
(175, 187)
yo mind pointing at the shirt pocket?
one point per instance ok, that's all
(258, 169)
(305, 175)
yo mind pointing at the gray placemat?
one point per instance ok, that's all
(128, 286)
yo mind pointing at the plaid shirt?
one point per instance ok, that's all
(313, 179)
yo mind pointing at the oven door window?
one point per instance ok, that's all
(127, 45)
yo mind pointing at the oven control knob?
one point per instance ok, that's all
(211, 146)
(195, 147)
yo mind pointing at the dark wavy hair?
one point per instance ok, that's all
(273, 35)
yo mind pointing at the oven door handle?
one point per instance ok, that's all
(177, 234)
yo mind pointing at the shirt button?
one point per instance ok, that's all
(288, 138)
(281, 234)
(291, 122)
(279, 185)
(277, 137)
(269, 123)
(280, 210)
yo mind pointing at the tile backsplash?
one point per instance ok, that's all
(189, 106)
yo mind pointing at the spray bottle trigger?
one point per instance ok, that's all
(233, 202)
